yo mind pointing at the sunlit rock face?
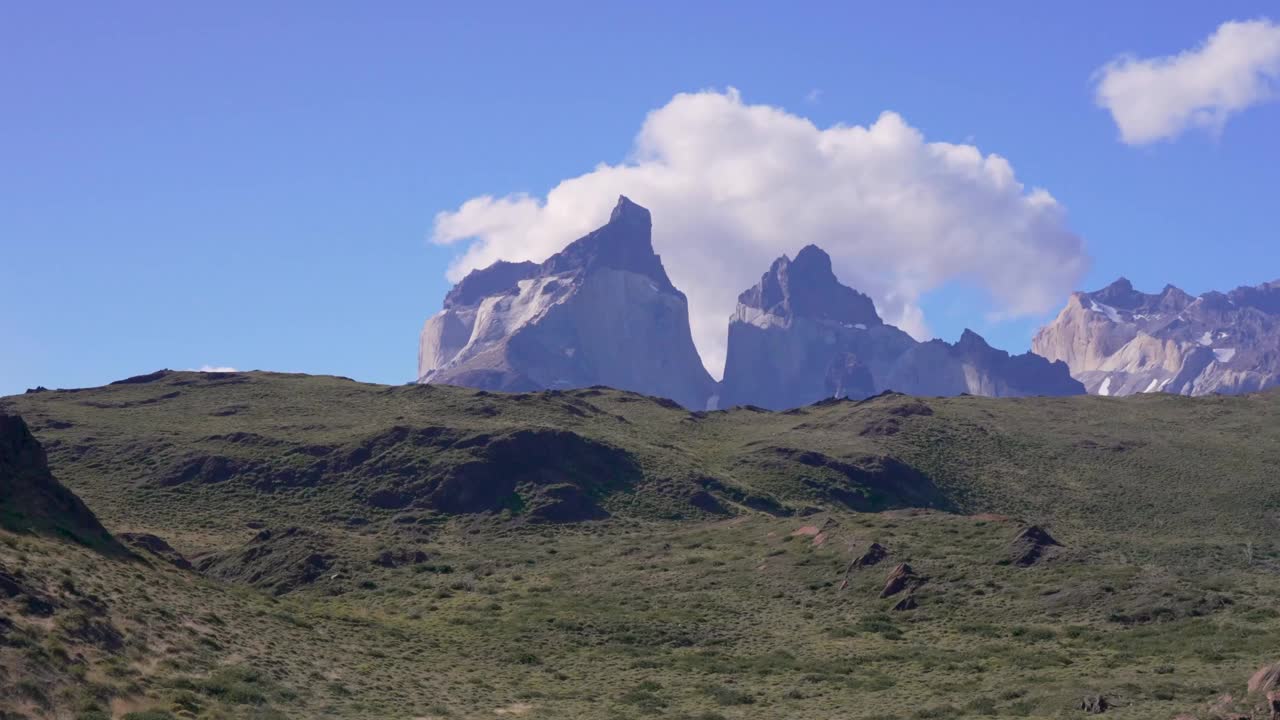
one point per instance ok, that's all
(600, 312)
(1119, 341)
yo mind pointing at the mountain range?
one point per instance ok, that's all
(1119, 341)
(604, 312)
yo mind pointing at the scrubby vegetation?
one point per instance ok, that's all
(629, 559)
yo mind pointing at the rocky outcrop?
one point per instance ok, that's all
(278, 561)
(1266, 679)
(1093, 704)
(1030, 545)
(874, 554)
(600, 312)
(32, 500)
(156, 546)
(800, 336)
(1119, 341)
(901, 578)
(544, 475)
(1261, 699)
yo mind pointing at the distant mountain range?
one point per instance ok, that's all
(1119, 341)
(604, 312)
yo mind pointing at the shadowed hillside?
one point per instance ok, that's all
(31, 500)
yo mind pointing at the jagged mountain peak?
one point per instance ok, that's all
(1119, 286)
(1264, 297)
(625, 210)
(799, 336)
(971, 340)
(1119, 294)
(624, 243)
(602, 311)
(814, 259)
(807, 287)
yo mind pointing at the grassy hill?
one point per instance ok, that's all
(425, 551)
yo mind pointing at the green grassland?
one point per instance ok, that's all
(376, 551)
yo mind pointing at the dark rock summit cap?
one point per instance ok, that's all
(624, 243)
(807, 287)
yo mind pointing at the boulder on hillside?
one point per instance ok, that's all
(873, 555)
(1094, 704)
(1030, 545)
(1266, 679)
(906, 603)
(901, 578)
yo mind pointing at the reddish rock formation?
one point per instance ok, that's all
(901, 578)
(1266, 679)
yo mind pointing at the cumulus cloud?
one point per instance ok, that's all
(216, 368)
(1154, 99)
(732, 186)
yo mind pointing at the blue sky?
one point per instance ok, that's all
(249, 186)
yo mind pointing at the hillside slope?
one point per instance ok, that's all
(432, 551)
(312, 448)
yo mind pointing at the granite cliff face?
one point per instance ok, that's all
(800, 336)
(600, 312)
(1119, 341)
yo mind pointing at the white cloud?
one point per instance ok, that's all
(732, 186)
(216, 368)
(1159, 98)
